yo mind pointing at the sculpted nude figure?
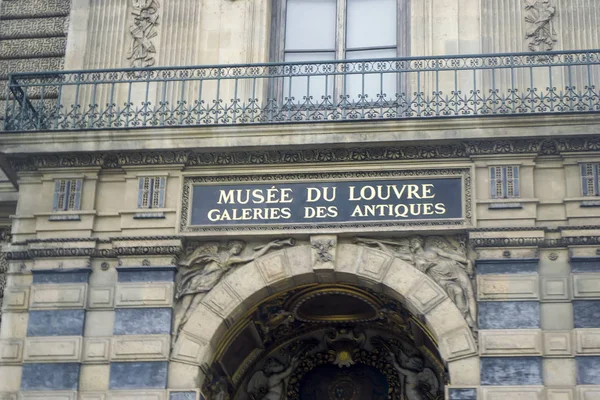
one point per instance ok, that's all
(270, 383)
(446, 266)
(418, 380)
(203, 269)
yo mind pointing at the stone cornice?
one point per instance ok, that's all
(433, 151)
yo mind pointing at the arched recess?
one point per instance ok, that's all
(238, 292)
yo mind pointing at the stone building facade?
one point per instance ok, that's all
(258, 226)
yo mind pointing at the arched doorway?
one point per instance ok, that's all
(229, 319)
(327, 341)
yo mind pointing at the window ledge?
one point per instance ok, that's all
(521, 200)
(64, 217)
(149, 215)
(505, 206)
(590, 203)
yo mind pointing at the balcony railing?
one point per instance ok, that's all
(347, 90)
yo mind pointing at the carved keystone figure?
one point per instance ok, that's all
(201, 270)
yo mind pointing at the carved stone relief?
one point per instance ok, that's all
(143, 30)
(203, 267)
(540, 33)
(443, 259)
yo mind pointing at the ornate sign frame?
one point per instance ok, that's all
(464, 173)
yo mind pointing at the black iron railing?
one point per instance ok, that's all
(399, 88)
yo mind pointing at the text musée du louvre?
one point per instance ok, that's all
(314, 202)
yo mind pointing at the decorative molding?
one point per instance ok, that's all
(93, 252)
(33, 47)
(143, 30)
(539, 16)
(35, 9)
(542, 147)
(536, 242)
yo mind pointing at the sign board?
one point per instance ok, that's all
(335, 200)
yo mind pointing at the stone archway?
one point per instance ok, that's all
(346, 263)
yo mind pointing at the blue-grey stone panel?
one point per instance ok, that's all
(503, 371)
(585, 264)
(138, 375)
(183, 396)
(509, 314)
(588, 370)
(80, 275)
(56, 323)
(462, 394)
(586, 313)
(56, 376)
(142, 321)
(508, 266)
(154, 274)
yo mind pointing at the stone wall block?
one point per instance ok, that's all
(53, 349)
(507, 287)
(101, 298)
(373, 264)
(48, 395)
(96, 350)
(191, 349)
(558, 343)
(425, 295)
(16, 299)
(457, 344)
(275, 270)
(587, 341)
(510, 342)
(300, 265)
(588, 393)
(137, 395)
(555, 288)
(465, 371)
(346, 263)
(223, 300)
(444, 318)
(399, 280)
(142, 348)
(92, 396)
(205, 324)
(8, 396)
(58, 296)
(248, 284)
(144, 294)
(512, 392)
(560, 393)
(586, 286)
(11, 351)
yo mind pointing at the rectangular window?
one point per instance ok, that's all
(504, 182)
(589, 179)
(67, 194)
(151, 192)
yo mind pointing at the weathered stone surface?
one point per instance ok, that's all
(144, 321)
(56, 323)
(511, 371)
(55, 376)
(509, 315)
(138, 375)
